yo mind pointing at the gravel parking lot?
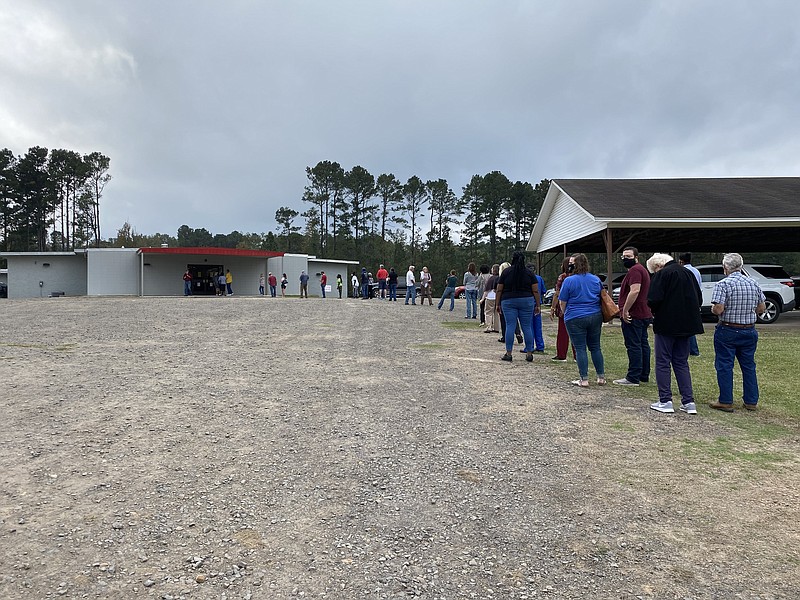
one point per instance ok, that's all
(268, 448)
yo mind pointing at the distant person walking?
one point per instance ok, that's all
(562, 337)
(339, 284)
(284, 283)
(364, 284)
(355, 286)
(221, 283)
(490, 295)
(323, 283)
(449, 291)
(518, 299)
(187, 283)
(261, 284)
(229, 282)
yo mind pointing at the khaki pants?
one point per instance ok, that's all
(491, 315)
(425, 292)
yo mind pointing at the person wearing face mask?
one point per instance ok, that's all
(636, 318)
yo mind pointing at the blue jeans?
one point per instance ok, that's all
(411, 292)
(518, 309)
(187, 288)
(322, 289)
(694, 349)
(538, 335)
(261, 290)
(365, 290)
(730, 343)
(635, 334)
(472, 303)
(393, 291)
(585, 332)
(449, 292)
(272, 291)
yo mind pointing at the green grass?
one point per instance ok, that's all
(723, 449)
(462, 325)
(776, 357)
(430, 346)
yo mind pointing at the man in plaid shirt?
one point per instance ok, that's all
(736, 300)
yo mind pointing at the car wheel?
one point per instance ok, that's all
(772, 312)
(462, 296)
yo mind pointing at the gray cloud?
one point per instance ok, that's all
(210, 111)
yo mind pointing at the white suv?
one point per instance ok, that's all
(774, 281)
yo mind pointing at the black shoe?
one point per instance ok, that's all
(529, 357)
(519, 339)
(507, 357)
(502, 340)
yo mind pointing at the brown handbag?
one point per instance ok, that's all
(608, 307)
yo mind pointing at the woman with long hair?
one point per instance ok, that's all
(471, 291)
(580, 302)
(518, 300)
(490, 295)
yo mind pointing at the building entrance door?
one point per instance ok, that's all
(204, 279)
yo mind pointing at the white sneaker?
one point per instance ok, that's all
(625, 382)
(689, 408)
(664, 407)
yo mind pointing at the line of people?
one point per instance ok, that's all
(670, 300)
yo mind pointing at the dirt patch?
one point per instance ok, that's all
(260, 448)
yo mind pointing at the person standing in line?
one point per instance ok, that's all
(500, 317)
(221, 283)
(538, 334)
(187, 283)
(273, 284)
(411, 285)
(490, 294)
(518, 298)
(635, 316)
(339, 284)
(365, 291)
(284, 283)
(482, 277)
(261, 284)
(392, 281)
(382, 276)
(579, 299)
(562, 337)
(471, 291)
(229, 282)
(323, 283)
(426, 287)
(449, 291)
(356, 287)
(674, 299)
(304, 285)
(685, 259)
(736, 300)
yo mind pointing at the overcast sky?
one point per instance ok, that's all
(211, 111)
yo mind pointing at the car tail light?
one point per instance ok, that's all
(789, 283)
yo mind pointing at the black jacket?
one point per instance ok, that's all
(675, 300)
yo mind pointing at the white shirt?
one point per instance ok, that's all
(410, 278)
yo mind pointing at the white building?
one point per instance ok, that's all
(159, 271)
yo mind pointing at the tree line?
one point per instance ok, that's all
(50, 199)
(352, 214)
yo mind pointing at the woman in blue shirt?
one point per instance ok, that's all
(580, 302)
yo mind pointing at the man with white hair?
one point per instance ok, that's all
(674, 298)
(736, 300)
